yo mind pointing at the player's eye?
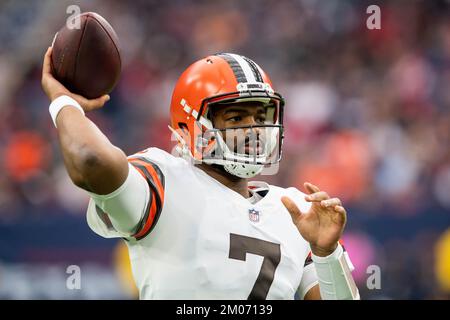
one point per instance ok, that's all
(261, 119)
(235, 119)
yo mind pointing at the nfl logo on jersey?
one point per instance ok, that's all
(253, 215)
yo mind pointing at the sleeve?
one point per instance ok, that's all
(309, 280)
(132, 210)
(154, 178)
(309, 277)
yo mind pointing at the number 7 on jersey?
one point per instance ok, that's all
(241, 245)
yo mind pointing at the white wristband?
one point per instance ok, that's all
(61, 102)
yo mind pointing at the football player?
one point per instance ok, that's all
(195, 227)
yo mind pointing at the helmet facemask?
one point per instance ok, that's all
(244, 151)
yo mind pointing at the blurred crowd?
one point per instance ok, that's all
(367, 113)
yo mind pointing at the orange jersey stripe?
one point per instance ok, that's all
(153, 209)
(150, 219)
(154, 175)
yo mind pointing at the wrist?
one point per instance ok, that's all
(61, 102)
(323, 252)
(58, 94)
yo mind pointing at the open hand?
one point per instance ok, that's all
(322, 225)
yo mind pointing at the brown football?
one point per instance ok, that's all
(87, 59)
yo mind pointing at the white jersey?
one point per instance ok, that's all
(201, 240)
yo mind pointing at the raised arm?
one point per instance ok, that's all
(92, 162)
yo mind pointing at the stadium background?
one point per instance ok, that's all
(367, 119)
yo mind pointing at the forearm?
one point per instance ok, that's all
(92, 162)
(334, 276)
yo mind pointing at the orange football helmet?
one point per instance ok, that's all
(219, 79)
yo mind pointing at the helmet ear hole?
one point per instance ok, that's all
(184, 131)
(183, 126)
(209, 114)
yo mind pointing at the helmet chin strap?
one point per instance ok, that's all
(240, 170)
(221, 168)
(243, 170)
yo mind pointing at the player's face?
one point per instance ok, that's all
(245, 140)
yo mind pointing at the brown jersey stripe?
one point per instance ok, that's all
(153, 208)
(152, 167)
(155, 179)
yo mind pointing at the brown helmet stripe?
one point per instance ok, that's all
(235, 66)
(254, 68)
